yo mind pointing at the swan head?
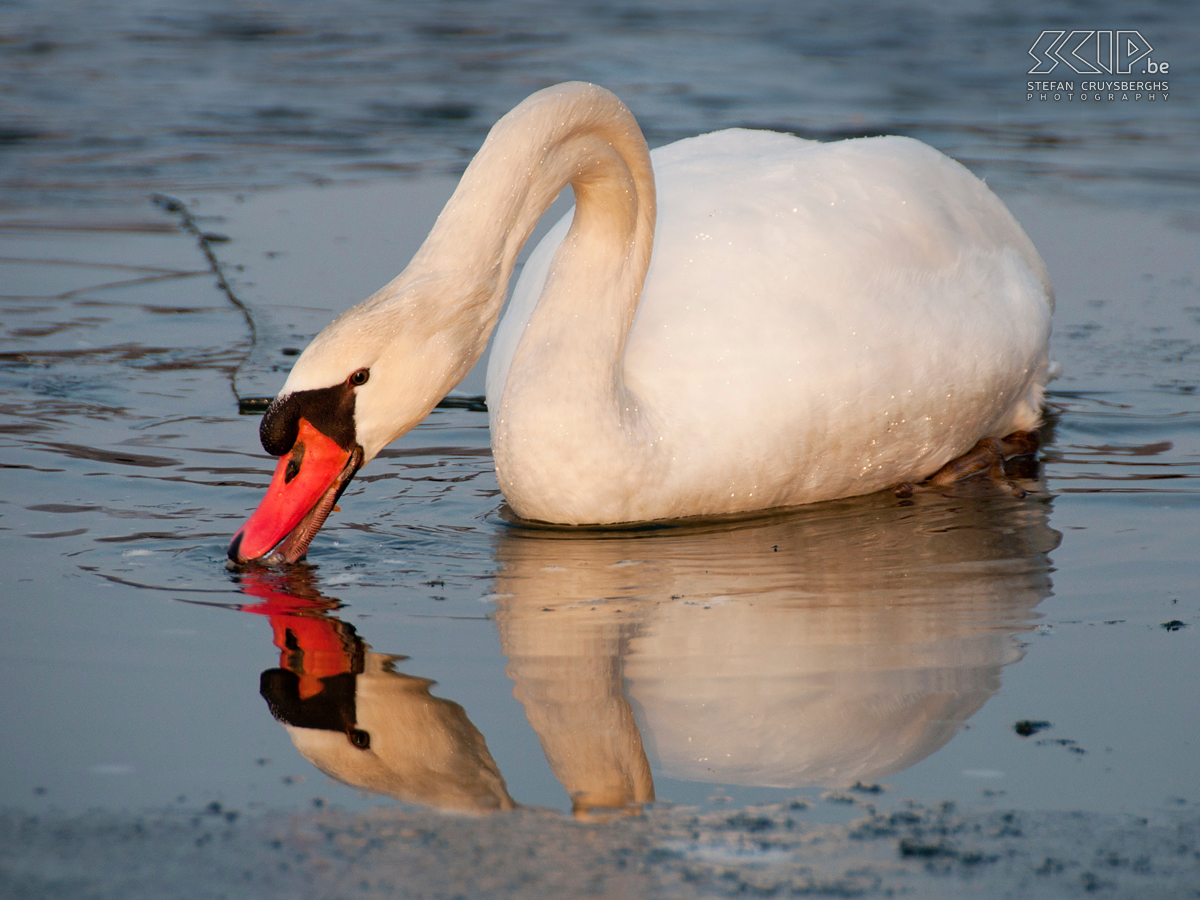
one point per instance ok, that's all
(369, 377)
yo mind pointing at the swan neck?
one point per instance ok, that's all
(564, 392)
(578, 135)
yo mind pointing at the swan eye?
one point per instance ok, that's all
(359, 738)
(359, 377)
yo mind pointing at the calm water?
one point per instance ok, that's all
(866, 641)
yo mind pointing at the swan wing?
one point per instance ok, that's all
(820, 319)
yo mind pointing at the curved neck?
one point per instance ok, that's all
(576, 134)
(565, 409)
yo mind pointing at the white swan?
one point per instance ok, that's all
(815, 321)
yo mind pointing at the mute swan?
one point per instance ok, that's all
(815, 321)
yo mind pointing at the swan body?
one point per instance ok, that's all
(737, 321)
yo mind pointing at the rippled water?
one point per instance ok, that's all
(164, 93)
(842, 643)
(868, 641)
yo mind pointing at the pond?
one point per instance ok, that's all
(856, 661)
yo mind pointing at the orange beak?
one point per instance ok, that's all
(306, 485)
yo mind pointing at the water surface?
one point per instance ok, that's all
(869, 640)
(1033, 654)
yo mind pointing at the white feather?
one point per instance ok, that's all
(815, 320)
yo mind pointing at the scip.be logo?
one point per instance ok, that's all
(1093, 52)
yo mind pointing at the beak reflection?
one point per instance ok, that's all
(833, 645)
(352, 715)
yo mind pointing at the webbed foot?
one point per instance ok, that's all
(987, 456)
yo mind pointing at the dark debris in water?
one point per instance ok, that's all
(1027, 727)
(861, 788)
(249, 406)
(1174, 625)
(1069, 744)
(915, 847)
(749, 822)
(532, 854)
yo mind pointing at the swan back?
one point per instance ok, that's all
(818, 320)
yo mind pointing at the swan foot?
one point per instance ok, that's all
(987, 456)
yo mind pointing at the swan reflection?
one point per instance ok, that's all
(836, 644)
